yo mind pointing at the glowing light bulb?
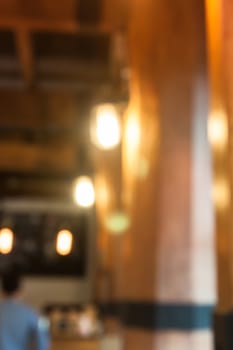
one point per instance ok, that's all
(6, 240)
(117, 222)
(218, 130)
(105, 128)
(64, 242)
(84, 193)
(221, 194)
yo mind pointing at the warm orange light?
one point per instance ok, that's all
(117, 222)
(221, 193)
(132, 139)
(84, 192)
(64, 242)
(218, 130)
(6, 240)
(102, 190)
(132, 132)
(105, 128)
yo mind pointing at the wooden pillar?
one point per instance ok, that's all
(220, 43)
(163, 266)
(166, 289)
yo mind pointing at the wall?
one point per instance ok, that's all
(42, 291)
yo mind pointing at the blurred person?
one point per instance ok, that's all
(20, 327)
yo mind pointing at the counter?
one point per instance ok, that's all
(106, 342)
(75, 343)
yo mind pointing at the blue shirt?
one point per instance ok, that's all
(21, 328)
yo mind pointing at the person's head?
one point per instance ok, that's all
(11, 283)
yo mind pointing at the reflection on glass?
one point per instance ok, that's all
(6, 240)
(64, 242)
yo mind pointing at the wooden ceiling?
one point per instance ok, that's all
(56, 56)
(46, 41)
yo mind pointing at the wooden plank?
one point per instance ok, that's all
(89, 11)
(9, 7)
(57, 85)
(25, 53)
(116, 13)
(17, 185)
(51, 9)
(38, 109)
(16, 156)
(55, 9)
(67, 26)
(76, 344)
(76, 68)
(9, 64)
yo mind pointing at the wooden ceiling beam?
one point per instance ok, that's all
(9, 64)
(67, 26)
(49, 66)
(72, 86)
(55, 85)
(62, 66)
(20, 156)
(25, 54)
(9, 84)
